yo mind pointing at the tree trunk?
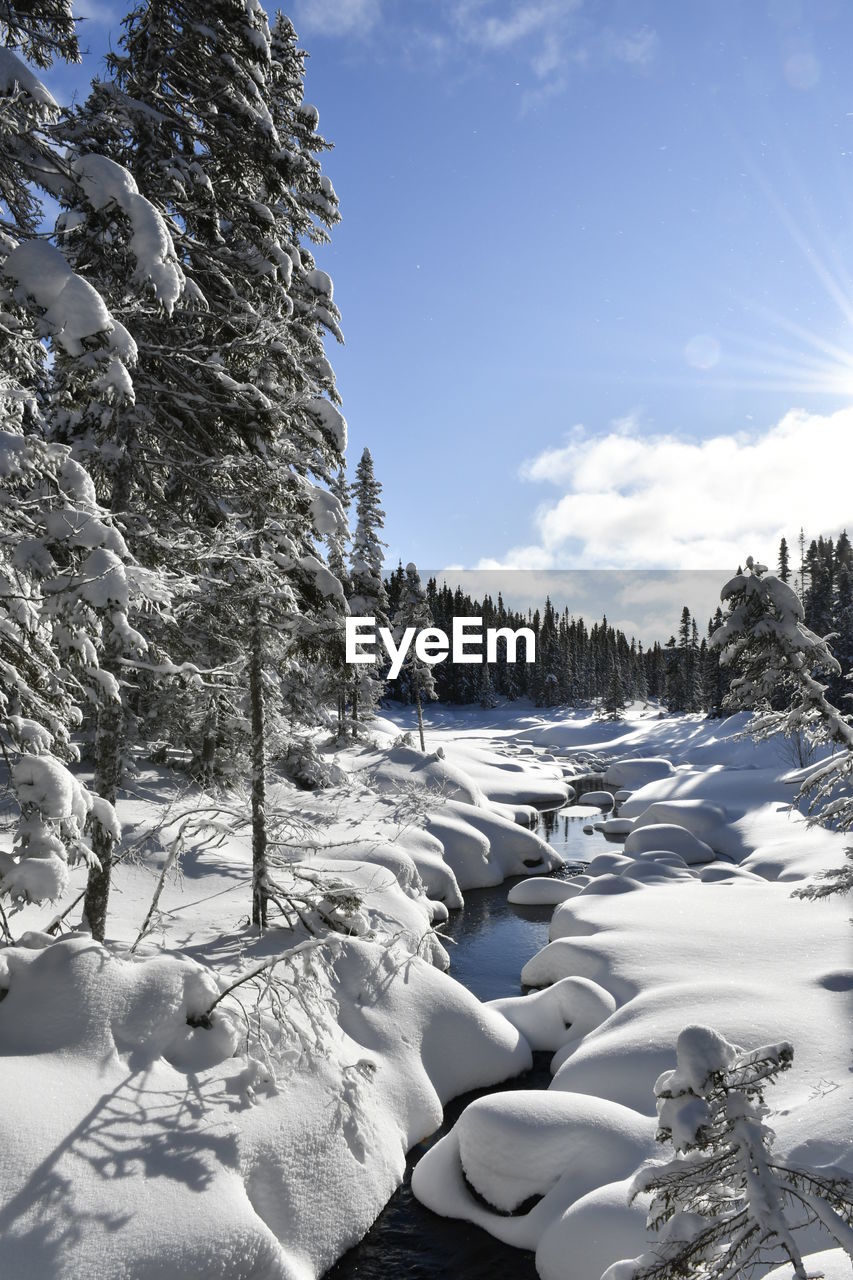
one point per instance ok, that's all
(420, 716)
(109, 750)
(209, 741)
(109, 734)
(259, 776)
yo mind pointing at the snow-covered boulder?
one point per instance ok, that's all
(615, 828)
(630, 774)
(672, 838)
(598, 799)
(710, 822)
(557, 1015)
(520, 1143)
(564, 958)
(606, 863)
(543, 891)
(466, 850)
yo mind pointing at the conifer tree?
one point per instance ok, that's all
(722, 1203)
(784, 561)
(66, 579)
(369, 598)
(413, 611)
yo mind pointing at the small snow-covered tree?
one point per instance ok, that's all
(413, 611)
(765, 640)
(725, 1202)
(614, 698)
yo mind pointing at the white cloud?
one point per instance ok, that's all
(631, 499)
(336, 17)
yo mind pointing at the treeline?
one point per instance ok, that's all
(574, 663)
(577, 664)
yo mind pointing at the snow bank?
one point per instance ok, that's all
(400, 767)
(139, 1141)
(517, 850)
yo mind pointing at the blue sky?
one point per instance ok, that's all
(595, 271)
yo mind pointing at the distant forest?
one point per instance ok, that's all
(578, 663)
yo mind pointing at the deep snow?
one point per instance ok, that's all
(142, 1146)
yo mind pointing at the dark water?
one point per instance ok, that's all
(492, 941)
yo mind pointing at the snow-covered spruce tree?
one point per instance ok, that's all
(368, 598)
(66, 573)
(234, 420)
(413, 611)
(765, 641)
(614, 698)
(725, 1202)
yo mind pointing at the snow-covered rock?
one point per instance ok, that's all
(671, 838)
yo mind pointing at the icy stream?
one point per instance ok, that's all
(492, 940)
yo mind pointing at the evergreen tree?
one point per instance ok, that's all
(61, 553)
(369, 598)
(784, 562)
(413, 611)
(614, 698)
(722, 1201)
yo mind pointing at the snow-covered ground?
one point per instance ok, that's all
(691, 921)
(261, 1138)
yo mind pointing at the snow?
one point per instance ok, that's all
(106, 183)
(15, 72)
(169, 1147)
(46, 783)
(330, 420)
(559, 1015)
(538, 893)
(669, 950)
(72, 309)
(670, 838)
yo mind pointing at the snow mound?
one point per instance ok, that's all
(617, 826)
(605, 863)
(667, 836)
(710, 822)
(564, 958)
(598, 799)
(180, 1157)
(516, 849)
(466, 850)
(543, 892)
(519, 1144)
(630, 774)
(404, 766)
(558, 1015)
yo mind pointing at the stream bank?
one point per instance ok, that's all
(490, 940)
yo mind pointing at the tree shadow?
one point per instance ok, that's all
(133, 1133)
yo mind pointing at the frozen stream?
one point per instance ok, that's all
(492, 940)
